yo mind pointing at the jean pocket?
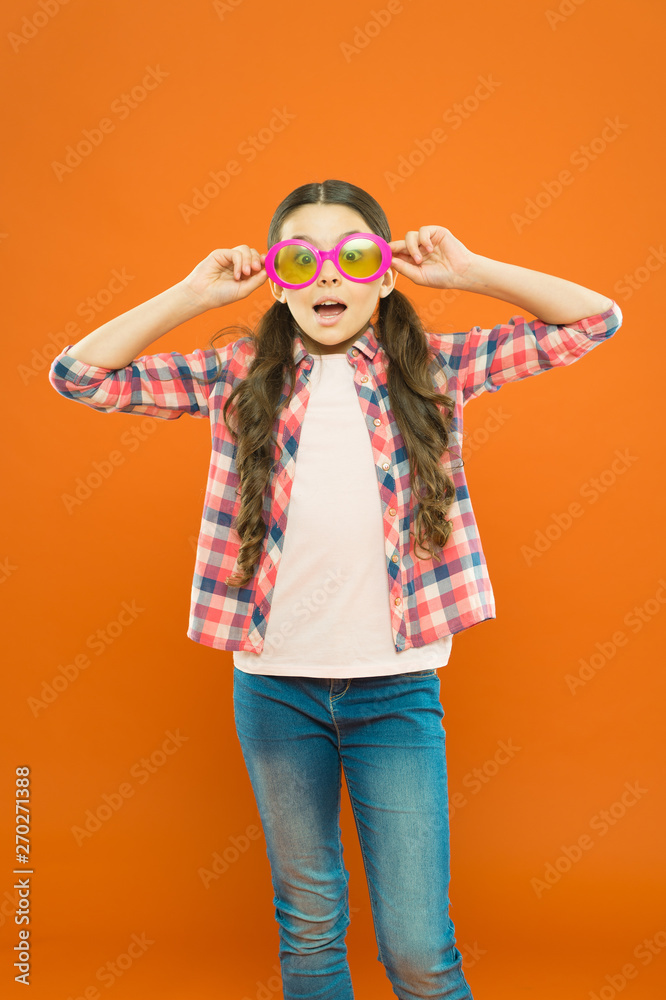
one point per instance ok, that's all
(421, 673)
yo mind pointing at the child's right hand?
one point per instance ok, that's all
(226, 276)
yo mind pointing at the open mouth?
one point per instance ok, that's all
(330, 310)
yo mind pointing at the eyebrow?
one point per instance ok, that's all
(304, 236)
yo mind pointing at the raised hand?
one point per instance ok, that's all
(431, 256)
(227, 275)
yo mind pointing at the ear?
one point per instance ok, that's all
(276, 291)
(387, 287)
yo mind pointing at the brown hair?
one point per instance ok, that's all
(413, 397)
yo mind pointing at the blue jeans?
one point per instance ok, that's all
(296, 735)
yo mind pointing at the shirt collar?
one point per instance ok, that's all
(367, 343)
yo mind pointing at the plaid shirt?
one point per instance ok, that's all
(428, 598)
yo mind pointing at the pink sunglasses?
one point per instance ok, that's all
(360, 257)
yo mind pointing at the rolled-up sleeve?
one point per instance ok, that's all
(157, 385)
(485, 360)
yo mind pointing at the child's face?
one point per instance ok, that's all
(324, 226)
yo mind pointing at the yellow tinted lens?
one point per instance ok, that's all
(295, 264)
(360, 258)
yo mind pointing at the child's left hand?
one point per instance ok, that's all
(431, 256)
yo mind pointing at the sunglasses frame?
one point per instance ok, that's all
(322, 255)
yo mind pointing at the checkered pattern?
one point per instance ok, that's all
(428, 598)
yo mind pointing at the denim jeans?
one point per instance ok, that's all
(297, 735)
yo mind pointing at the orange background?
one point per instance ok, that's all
(66, 574)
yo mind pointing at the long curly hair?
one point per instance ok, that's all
(255, 403)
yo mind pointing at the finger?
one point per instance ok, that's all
(419, 247)
(412, 240)
(248, 258)
(238, 260)
(401, 266)
(422, 242)
(404, 258)
(425, 237)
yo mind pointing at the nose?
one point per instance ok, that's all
(329, 272)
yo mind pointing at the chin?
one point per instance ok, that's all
(330, 336)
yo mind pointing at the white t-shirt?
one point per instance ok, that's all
(330, 612)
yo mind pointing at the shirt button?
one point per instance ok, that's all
(391, 511)
(364, 378)
(354, 351)
(397, 600)
(386, 466)
(376, 421)
(394, 558)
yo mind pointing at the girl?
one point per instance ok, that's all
(338, 551)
